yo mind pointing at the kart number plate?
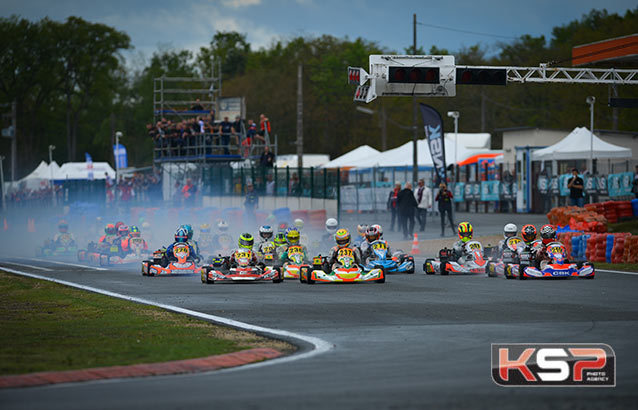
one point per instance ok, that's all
(295, 249)
(379, 245)
(345, 252)
(243, 255)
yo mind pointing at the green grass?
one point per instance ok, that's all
(45, 326)
(629, 267)
(627, 226)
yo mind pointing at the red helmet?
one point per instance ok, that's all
(110, 229)
(122, 230)
(372, 234)
(528, 232)
(548, 233)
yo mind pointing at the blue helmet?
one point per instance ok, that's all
(181, 235)
(189, 231)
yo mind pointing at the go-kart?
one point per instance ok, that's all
(136, 252)
(556, 266)
(497, 265)
(222, 271)
(399, 262)
(64, 247)
(344, 271)
(472, 262)
(160, 265)
(295, 262)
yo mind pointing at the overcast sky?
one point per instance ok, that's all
(191, 23)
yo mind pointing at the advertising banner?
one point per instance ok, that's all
(490, 190)
(620, 184)
(433, 125)
(459, 191)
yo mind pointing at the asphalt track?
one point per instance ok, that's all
(416, 341)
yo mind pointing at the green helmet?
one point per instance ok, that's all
(280, 239)
(246, 241)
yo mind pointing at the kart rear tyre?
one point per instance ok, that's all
(280, 277)
(309, 280)
(443, 269)
(147, 264)
(425, 267)
(383, 279)
(491, 273)
(521, 276)
(410, 271)
(508, 272)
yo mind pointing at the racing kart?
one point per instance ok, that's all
(497, 265)
(555, 266)
(345, 271)
(295, 262)
(161, 266)
(446, 263)
(65, 247)
(222, 271)
(399, 262)
(104, 255)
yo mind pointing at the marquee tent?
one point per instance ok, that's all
(352, 158)
(577, 145)
(38, 178)
(80, 170)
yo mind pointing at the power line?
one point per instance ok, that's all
(466, 31)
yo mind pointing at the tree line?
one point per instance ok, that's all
(73, 87)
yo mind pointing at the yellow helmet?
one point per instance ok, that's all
(465, 231)
(292, 237)
(342, 237)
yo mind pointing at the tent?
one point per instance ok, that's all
(38, 178)
(352, 158)
(472, 140)
(309, 160)
(577, 145)
(80, 170)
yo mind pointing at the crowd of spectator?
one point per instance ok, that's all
(203, 135)
(22, 196)
(135, 188)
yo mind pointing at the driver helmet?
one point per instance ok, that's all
(109, 229)
(117, 225)
(189, 231)
(246, 241)
(548, 234)
(135, 232)
(283, 227)
(63, 226)
(181, 235)
(292, 237)
(280, 239)
(379, 229)
(222, 225)
(265, 232)
(204, 228)
(372, 234)
(510, 230)
(465, 231)
(361, 228)
(529, 233)
(298, 224)
(342, 238)
(331, 226)
(123, 230)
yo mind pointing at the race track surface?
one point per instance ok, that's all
(416, 341)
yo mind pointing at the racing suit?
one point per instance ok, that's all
(233, 259)
(126, 244)
(332, 257)
(284, 255)
(459, 251)
(57, 239)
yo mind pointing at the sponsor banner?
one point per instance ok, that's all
(620, 184)
(601, 185)
(433, 125)
(476, 191)
(508, 191)
(490, 190)
(121, 159)
(459, 191)
(543, 184)
(562, 184)
(590, 184)
(553, 364)
(468, 191)
(553, 185)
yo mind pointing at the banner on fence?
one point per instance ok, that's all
(490, 190)
(620, 184)
(459, 191)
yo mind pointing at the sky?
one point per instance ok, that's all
(191, 24)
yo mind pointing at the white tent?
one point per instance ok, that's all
(39, 178)
(402, 156)
(309, 160)
(472, 140)
(577, 145)
(80, 170)
(352, 158)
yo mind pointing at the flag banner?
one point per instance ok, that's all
(119, 153)
(433, 125)
(89, 165)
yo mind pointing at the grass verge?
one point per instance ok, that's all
(630, 226)
(628, 267)
(48, 327)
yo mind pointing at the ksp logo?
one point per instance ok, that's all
(553, 364)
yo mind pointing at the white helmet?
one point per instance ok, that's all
(331, 226)
(265, 232)
(510, 230)
(298, 224)
(222, 225)
(379, 229)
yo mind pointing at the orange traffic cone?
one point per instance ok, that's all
(31, 225)
(6, 225)
(415, 245)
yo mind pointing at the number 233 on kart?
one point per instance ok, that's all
(553, 364)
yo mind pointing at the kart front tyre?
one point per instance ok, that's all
(491, 270)
(382, 280)
(280, 277)
(425, 267)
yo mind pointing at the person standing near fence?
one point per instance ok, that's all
(444, 198)
(407, 206)
(576, 185)
(423, 196)
(226, 129)
(393, 206)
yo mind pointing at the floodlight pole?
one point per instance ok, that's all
(117, 154)
(591, 100)
(415, 159)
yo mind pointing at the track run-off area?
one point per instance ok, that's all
(416, 341)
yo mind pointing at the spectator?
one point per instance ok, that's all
(226, 128)
(197, 106)
(267, 159)
(294, 189)
(407, 205)
(270, 185)
(634, 187)
(444, 198)
(423, 197)
(576, 186)
(264, 128)
(393, 206)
